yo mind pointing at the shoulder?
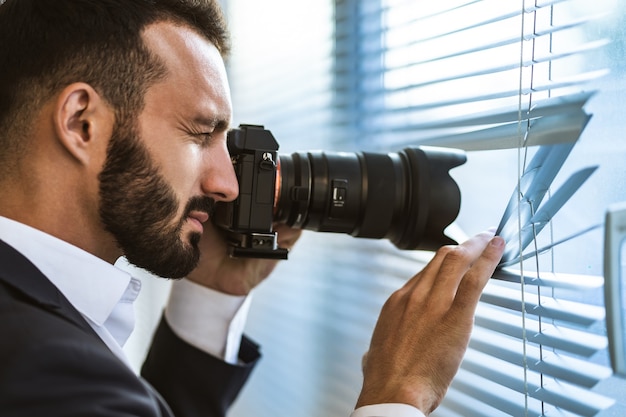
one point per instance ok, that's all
(52, 366)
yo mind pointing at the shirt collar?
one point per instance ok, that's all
(93, 286)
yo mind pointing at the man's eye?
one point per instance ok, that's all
(203, 138)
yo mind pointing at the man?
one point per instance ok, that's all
(113, 121)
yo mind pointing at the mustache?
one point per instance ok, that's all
(205, 204)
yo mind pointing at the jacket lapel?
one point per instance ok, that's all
(19, 273)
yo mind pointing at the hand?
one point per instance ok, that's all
(424, 327)
(236, 276)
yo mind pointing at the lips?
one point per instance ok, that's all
(198, 218)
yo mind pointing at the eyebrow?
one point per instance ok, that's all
(217, 123)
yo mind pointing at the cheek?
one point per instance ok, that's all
(182, 169)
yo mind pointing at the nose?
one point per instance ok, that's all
(220, 182)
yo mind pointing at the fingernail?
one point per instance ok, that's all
(497, 242)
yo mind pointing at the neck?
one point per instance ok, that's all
(68, 220)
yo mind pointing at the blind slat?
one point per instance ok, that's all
(563, 395)
(372, 16)
(473, 48)
(548, 130)
(498, 396)
(541, 333)
(373, 110)
(544, 214)
(573, 312)
(554, 106)
(489, 67)
(577, 282)
(534, 185)
(560, 366)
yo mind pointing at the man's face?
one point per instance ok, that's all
(165, 170)
(141, 209)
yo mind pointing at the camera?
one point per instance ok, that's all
(407, 197)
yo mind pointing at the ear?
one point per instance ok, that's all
(83, 122)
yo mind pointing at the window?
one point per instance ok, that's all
(488, 76)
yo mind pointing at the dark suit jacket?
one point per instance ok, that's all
(52, 363)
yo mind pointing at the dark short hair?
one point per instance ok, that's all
(46, 45)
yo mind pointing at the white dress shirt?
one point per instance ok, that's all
(104, 295)
(387, 410)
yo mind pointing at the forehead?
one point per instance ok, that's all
(196, 80)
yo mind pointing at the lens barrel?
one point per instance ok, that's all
(407, 197)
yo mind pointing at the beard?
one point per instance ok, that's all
(139, 207)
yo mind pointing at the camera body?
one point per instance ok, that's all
(407, 197)
(247, 222)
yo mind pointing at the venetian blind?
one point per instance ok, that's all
(506, 78)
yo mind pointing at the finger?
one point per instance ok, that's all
(448, 264)
(478, 275)
(431, 277)
(428, 274)
(459, 260)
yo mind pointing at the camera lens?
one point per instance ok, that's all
(407, 197)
